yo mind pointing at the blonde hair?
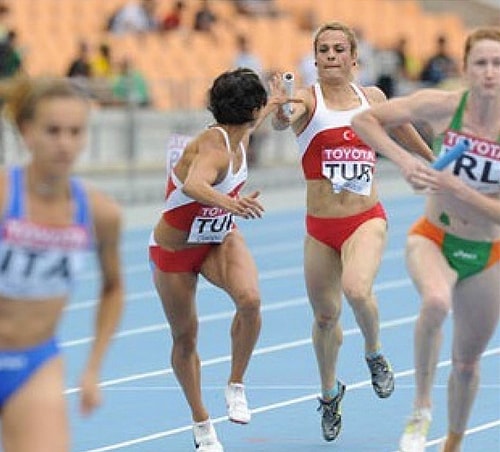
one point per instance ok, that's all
(491, 33)
(21, 95)
(337, 26)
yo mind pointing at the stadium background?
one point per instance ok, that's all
(126, 157)
(127, 144)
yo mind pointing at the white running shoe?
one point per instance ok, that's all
(236, 402)
(205, 437)
(415, 434)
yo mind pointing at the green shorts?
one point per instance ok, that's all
(466, 257)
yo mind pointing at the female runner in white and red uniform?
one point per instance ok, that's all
(197, 235)
(345, 222)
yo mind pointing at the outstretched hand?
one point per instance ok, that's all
(413, 171)
(248, 206)
(278, 95)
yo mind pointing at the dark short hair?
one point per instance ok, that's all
(235, 95)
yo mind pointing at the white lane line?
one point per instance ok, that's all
(280, 247)
(259, 351)
(287, 403)
(389, 285)
(394, 284)
(398, 224)
(272, 388)
(470, 431)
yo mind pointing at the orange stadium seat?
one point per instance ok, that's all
(180, 66)
(276, 53)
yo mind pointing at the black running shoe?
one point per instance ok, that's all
(331, 420)
(382, 376)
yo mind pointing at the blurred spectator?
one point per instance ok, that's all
(4, 12)
(388, 71)
(134, 17)
(10, 57)
(102, 71)
(245, 57)
(440, 66)
(367, 60)
(204, 18)
(257, 7)
(306, 66)
(173, 19)
(307, 69)
(130, 86)
(308, 21)
(396, 69)
(409, 66)
(102, 64)
(80, 66)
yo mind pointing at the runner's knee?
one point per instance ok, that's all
(185, 340)
(357, 294)
(466, 369)
(326, 320)
(248, 301)
(435, 309)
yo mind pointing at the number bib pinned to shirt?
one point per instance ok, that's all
(479, 166)
(210, 225)
(349, 169)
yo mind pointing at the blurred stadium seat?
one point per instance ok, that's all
(180, 66)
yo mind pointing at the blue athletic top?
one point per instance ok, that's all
(40, 261)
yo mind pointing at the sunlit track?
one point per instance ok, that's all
(276, 228)
(289, 402)
(398, 209)
(470, 431)
(395, 284)
(257, 251)
(259, 351)
(143, 406)
(284, 387)
(263, 276)
(133, 246)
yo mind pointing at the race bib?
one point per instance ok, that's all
(349, 169)
(38, 261)
(211, 225)
(176, 144)
(479, 166)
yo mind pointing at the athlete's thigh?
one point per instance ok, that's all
(231, 266)
(177, 293)
(476, 310)
(322, 271)
(428, 268)
(35, 417)
(362, 251)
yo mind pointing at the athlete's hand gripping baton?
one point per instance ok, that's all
(454, 153)
(288, 83)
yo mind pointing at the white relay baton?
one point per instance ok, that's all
(288, 82)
